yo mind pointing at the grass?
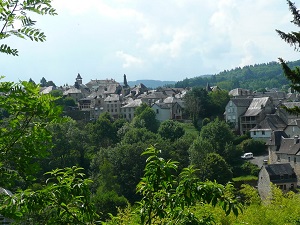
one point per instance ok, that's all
(245, 178)
(190, 129)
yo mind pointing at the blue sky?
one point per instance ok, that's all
(161, 40)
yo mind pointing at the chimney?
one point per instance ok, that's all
(296, 139)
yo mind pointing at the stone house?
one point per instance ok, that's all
(289, 152)
(112, 105)
(127, 111)
(264, 129)
(234, 109)
(165, 111)
(255, 113)
(280, 174)
(285, 115)
(293, 128)
(151, 97)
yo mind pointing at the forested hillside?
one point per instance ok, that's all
(254, 77)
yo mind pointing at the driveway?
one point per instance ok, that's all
(259, 160)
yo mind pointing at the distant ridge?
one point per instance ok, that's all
(254, 77)
(151, 83)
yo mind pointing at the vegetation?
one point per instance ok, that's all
(65, 172)
(254, 77)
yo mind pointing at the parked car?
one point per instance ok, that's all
(247, 155)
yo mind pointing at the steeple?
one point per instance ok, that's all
(125, 81)
(79, 79)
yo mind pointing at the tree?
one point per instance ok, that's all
(219, 100)
(171, 130)
(24, 136)
(145, 117)
(218, 133)
(216, 168)
(197, 104)
(64, 199)
(14, 11)
(293, 39)
(198, 151)
(43, 82)
(164, 199)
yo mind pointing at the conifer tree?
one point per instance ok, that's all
(292, 38)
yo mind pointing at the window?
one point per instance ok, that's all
(254, 132)
(278, 157)
(292, 186)
(289, 159)
(263, 132)
(295, 160)
(157, 111)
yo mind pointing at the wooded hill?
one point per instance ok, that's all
(253, 77)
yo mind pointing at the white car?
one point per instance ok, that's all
(247, 155)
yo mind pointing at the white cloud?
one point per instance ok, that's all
(129, 60)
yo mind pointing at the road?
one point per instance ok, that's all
(259, 160)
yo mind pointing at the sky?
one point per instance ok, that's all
(167, 40)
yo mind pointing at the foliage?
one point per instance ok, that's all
(219, 100)
(145, 117)
(14, 13)
(24, 136)
(216, 169)
(198, 151)
(252, 145)
(171, 130)
(65, 199)
(218, 133)
(102, 133)
(292, 38)
(197, 104)
(165, 199)
(250, 168)
(251, 77)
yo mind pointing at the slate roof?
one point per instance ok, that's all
(240, 92)
(272, 122)
(295, 123)
(112, 97)
(241, 102)
(288, 146)
(276, 138)
(256, 106)
(281, 173)
(162, 105)
(72, 91)
(170, 100)
(291, 104)
(133, 104)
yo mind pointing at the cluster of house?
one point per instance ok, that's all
(120, 101)
(265, 117)
(260, 113)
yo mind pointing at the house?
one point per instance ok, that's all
(255, 113)
(281, 174)
(265, 128)
(151, 97)
(289, 152)
(274, 143)
(293, 128)
(240, 93)
(284, 114)
(166, 111)
(234, 109)
(112, 105)
(127, 111)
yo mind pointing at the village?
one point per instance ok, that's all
(262, 114)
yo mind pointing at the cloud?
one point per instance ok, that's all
(129, 60)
